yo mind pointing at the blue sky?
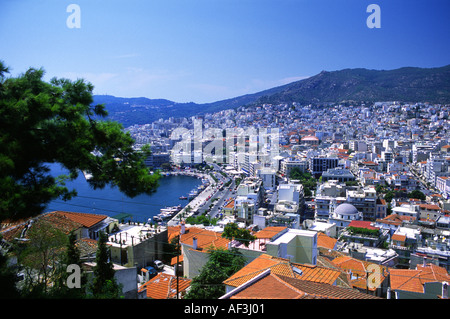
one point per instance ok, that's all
(209, 50)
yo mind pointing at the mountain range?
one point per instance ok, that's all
(408, 84)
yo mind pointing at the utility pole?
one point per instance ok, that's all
(176, 267)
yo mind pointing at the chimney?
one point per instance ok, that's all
(183, 229)
(194, 243)
(424, 261)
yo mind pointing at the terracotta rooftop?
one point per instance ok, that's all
(85, 219)
(164, 286)
(322, 290)
(205, 238)
(429, 206)
(358, 269)
(273, 286)
(283, 267)
(326, 241)
(395, 219)
(269, 232)
(270, 287)
(86, 246)
(362, 224)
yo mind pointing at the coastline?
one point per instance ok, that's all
(198, 200)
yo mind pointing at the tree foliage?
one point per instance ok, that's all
(55, 122)
(8, 279)
(417, 194)
(104, 285)
(40, 256)
(232, 231)
(305, 178)
(221, 265)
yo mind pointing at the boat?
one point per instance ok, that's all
(168, 212)
(193, 193)
(183, 197)
(170, 209)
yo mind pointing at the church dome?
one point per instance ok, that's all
(346, 209)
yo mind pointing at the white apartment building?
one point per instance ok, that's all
(249, 196)
(288, 164)
(365, 201)
(299, 246)
(326, 193)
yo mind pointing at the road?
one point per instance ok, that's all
(219, 199)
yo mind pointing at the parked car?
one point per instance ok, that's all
(158, 264)
(151, 272)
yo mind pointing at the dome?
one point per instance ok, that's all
(346, 209)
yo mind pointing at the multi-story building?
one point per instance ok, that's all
(436, 166)
(156, 160)
(326, 193)
(268, 177)
(249, 197)
(290, 198)
(365, 201)
(421, 152)
(443, 185)
(288, 164)
(318, 165)
(339, 174)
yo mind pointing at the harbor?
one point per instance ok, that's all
(196, 198)
(111, 202)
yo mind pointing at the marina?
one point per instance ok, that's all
(111, 202)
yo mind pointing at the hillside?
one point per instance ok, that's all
(405, 84)
(408, 84)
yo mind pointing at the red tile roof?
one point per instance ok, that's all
(362, 224)
(358, 269)
(274, 286)
(85, 219)
(164, 286)
(282, 266)
(269, 232)
(205, 238)
(326, 241)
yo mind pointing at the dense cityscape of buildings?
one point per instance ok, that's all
(351, 188)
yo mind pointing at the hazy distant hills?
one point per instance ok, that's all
(408, 84)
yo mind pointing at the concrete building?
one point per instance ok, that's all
(318, 165)
(137, 245)
(327, 192)
(365, 201)
(288, 164)
(249, 197)
(156, 160)
(268, 177)
(299, 246)
(339, 174)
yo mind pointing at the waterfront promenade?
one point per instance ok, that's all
(196, 202)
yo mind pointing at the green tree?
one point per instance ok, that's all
(41, 256)
(232, 231)
(8, 280)
(417, 194)
(43, 123)
(221, 265)
(71, 257)
(389, 196)
(104, 284)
